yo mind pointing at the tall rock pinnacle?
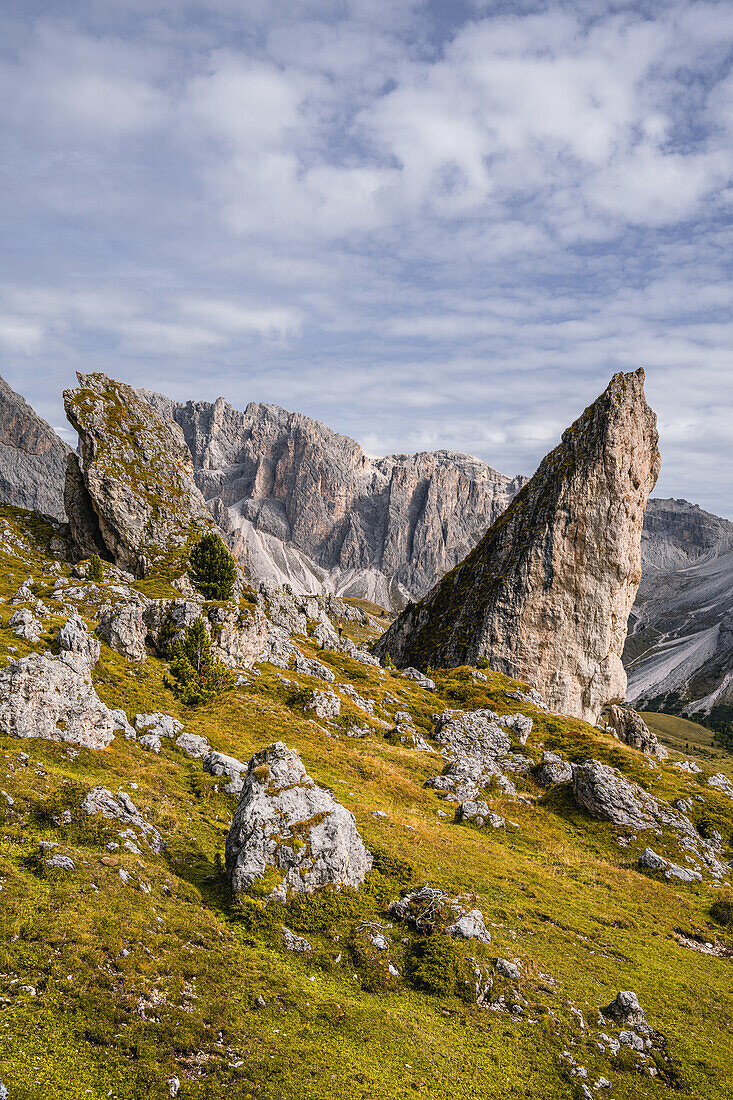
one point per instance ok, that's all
(545, 595)
(132, 497)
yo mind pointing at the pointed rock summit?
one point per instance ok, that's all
(545, 596)
(132, 498)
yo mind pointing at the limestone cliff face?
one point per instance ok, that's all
(306, 505)
(679, 650)
(132, 496)
(545, 595)
(32, 458)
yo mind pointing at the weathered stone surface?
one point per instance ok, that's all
(60, 863)
(650, 861)
(137, 474)
(193, 745)
(54, 699)
(217, 763)
(604, 793)
(73, 637)
(32, 458)
(325, 704)
(508, 970)
(307, 506)
(553, 769)
(285, 823)
(477, 747)
(631, 728)
(120, 807)
(419, 678)
(24, 624)
(162, 725)
(123, 629)
(470, 926)
(545, 596)
(625, 1009)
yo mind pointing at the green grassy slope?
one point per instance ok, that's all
(110, 987)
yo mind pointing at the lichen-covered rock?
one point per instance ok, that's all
(650, 861)
(546, 594)
(193, 745)
(476, 746)
(123, 629)
(419, 678)
(325, 704)
(218, 764)
(625, 1009)
(286, 825)
(553, 769)
(137, 496)
(604, 793)
(470, 926)
(631, 728)
(53, 698)
(73, 637)
(508, 970)
(120, 807)
(162, 725)
(150, 742)
(24, 624)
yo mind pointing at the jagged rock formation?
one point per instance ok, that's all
(288, 826)
(99, 800)
(545, 596)
(679, 651)
(32, 458)
(604, 793)
(133, 495)
(306, 506)
(631, 728)
(54, 699)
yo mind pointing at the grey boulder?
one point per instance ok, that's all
(604, 793)
(123, 629)
(73, 637)
(286, 824)
(216, 763)
(54, 699)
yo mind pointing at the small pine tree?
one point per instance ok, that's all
(212, 568)
(94, 569)
(196, 676)
(388, 661)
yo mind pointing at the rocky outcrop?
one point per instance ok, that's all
(604, 793)
(54, 699)
(477, 746)
(123, 629)
(290, 831)
(120, 807)
(309, 507)
(73, 637)
(631, 728)
(545, 596)
(32, 458)
(133, 494)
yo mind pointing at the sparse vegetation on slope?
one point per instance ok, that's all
(134, 967)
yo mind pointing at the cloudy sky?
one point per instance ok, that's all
(429, 223)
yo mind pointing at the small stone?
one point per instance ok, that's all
(193, 745)
(60, 863)
(508, 970)
(295, 943)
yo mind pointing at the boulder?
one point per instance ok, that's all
(193, 745)
(216, 763)
(553, 769)
(470, 926)
(53, 698)
(60, 863)
(604, 793)
(545, 595)
(630, 727)
(24, 624)
(161, 725)
(650, 861)
(287, 826)
(625, 1009)
(508, 970)
(133, 491)
(325, 704)
(419, 678)
(123, 629)
(120, 807)
(73, 637)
